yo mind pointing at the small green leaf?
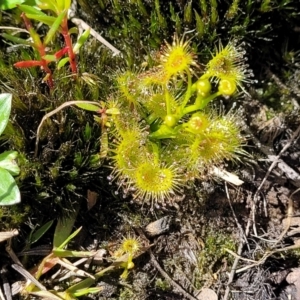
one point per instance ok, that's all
(88, 106)
(55, 26)
(69, 253)
(87, 132)
(40, 232)
(98, 119)
(9, 4)
(8, 162)
(92, 290)
(49, 57)
(5, 107)
(62, 62)
(9, 191)
(69, 238)
(113, 111)
(63, 230)
(81, 40)
(73, 30)
(48, 20)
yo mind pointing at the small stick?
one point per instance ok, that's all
(290, 213)
(168, 278)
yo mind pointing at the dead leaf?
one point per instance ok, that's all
(92, 198)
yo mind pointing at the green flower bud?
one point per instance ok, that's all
(227, 87)
(170, 120)
(203, 87)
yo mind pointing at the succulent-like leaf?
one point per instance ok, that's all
(9, 191)
(49, 57)
(62, 62)
(28, 64)
(113, 111)
(8, 162)
(86, 291)
(5, 107)
(81, 40)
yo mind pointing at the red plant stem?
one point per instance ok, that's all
(68, 42)
(41, 49)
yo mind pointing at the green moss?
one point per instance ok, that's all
(211, 257)
(162, 284)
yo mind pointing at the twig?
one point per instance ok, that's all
(168, 278)
(290, 213)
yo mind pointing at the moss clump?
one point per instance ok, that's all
(212, 256)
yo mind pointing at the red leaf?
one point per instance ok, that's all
(61, 52)
(28, 64)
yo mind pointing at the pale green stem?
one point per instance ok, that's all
(188, 93)
(168, 102)
(201, 105)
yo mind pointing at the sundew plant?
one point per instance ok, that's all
(166, 132)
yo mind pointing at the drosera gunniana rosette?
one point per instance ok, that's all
(167, 133)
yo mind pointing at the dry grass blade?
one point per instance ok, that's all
(8, 235)
(28, 276)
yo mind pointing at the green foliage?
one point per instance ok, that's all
(9, 4)
(9, 191)
(56, 23)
